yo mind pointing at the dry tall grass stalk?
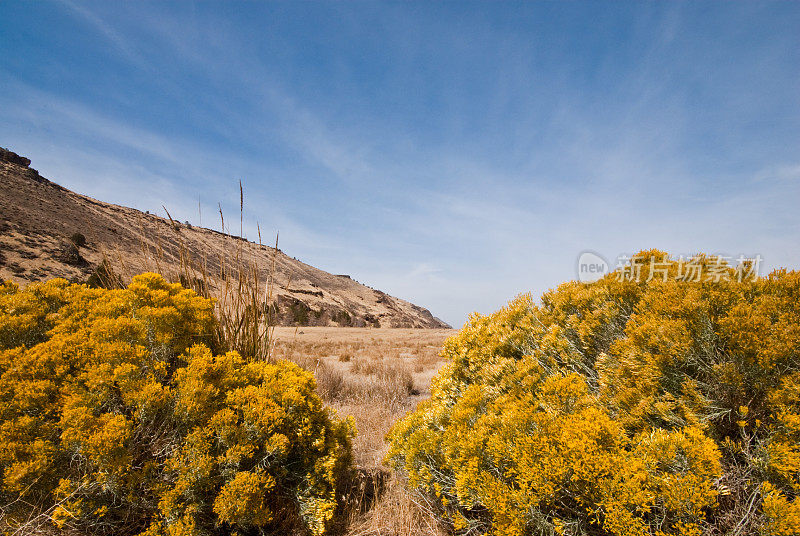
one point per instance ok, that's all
(243, 297)
(398, 512)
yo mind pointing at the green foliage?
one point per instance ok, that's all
(117, 418)
(618, 407)
(299, 313)
(342, 318)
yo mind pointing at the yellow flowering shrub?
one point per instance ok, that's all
(663, 406)
(116, 416)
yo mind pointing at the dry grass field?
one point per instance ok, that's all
(376, 376)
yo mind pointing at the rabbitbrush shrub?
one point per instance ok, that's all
(619, 407)
(117, 418)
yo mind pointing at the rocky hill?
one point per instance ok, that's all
(48, 231)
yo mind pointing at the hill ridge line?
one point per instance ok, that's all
(38, 217)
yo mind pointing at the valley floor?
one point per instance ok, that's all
(376, 376)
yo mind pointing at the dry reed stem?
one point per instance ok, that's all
(243, 301)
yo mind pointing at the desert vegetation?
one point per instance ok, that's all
(120, 414)
(375, 377)
(126, 411)
(651, 407)
(658, 406)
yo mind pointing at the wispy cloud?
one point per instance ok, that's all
(451, 157)
(124, 46)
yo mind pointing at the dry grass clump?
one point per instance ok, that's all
(385, 383)
(427, 355)
(390, 374)
(397, 513)
(244, 293)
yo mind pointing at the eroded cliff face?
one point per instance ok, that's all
(48, 231)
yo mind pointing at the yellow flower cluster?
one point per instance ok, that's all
(618, 407)
(117, 417)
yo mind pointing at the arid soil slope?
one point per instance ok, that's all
(38, 219)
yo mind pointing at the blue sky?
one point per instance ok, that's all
(452, 154)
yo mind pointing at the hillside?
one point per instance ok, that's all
(38, 218)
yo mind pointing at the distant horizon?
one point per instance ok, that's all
(452, 155)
